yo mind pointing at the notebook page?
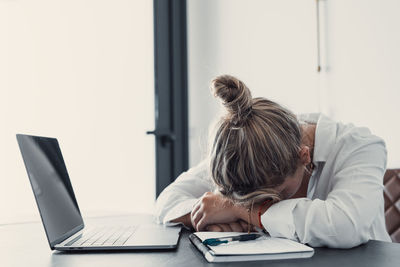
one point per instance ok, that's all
(262, 245)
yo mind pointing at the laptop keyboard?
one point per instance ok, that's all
(103, 236)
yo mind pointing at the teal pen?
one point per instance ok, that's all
(226, 239)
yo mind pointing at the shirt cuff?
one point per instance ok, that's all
(179, 210)
(278, 219)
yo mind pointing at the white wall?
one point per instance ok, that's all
(271, 45)
(81, 71)
(363, 60)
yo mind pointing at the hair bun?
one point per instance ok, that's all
(235, 95)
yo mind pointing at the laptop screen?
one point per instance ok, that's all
(51, 186)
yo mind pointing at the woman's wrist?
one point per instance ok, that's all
(261, 209)
(240, 212)
(258, 210)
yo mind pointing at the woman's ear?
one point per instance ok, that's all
(304, 155)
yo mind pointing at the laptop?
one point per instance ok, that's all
(60, 212)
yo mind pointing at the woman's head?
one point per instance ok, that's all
(256, 145)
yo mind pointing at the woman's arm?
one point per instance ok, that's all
(344, 219)
(214, 209)
(175, 203)
(190, 190)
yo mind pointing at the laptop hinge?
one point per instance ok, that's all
(67, 235)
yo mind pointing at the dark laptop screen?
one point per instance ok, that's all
(51, 186)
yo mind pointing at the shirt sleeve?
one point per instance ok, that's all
(178, 198)
(344, 219)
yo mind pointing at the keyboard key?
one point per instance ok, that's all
(103, 236)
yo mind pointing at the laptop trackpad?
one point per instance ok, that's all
(154, 236)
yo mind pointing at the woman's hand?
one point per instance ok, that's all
(212, 209)
(238, 226)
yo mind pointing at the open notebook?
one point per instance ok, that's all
(263, 248)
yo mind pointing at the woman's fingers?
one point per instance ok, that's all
(214, 228)
(225, 227)
(244, 225)
(196, 217)
(196, 205)
(236, 227)
(201, 224)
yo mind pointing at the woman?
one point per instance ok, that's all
(305, 178)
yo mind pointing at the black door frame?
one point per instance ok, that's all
(171, 93)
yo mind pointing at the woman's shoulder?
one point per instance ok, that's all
(339, 131)
(354, 136)
(338, 140)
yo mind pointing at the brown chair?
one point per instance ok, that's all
(391, 195)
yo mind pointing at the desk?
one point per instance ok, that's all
(26, 245)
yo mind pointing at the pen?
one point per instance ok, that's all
(226, 239)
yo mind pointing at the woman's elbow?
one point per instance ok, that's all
(348, 234)
(342, 232)
(350, 240)
(161, 206)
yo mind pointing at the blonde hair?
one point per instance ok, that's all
(255, 146)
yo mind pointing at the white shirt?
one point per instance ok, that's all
(344, 206)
